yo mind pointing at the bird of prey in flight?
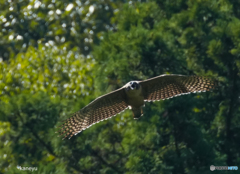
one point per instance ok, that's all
(132, 96)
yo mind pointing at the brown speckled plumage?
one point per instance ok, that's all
(133, 95)
(100, 109)
(168, 86)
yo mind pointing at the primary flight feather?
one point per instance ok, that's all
(133, 95)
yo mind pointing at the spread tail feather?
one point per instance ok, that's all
(137, 112)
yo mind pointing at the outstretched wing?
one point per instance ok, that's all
(100, 109)
(168, 86)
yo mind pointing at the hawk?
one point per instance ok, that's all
(132, 96)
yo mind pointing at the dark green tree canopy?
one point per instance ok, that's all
(56, 57)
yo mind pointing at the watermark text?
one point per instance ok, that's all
(27, 168)
(212, 167)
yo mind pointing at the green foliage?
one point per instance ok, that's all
(28, 119)
(56, 71)
(78, 23)
(56, 57)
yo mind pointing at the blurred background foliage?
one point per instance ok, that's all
(57, 56)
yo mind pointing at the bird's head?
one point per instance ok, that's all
(133, 85)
